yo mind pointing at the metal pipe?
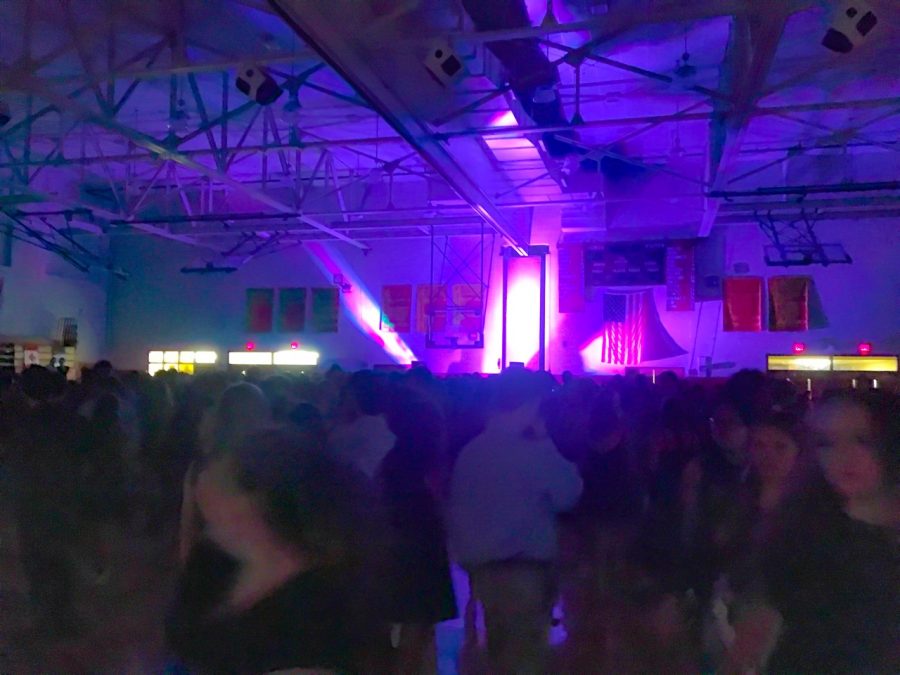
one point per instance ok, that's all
(322, 35)
(31, 84)
(808, 189)
(625, 19)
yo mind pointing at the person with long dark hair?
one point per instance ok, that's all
(278, 579)
(45, 465)
(242, 409)
(411, 483)
(830, 600)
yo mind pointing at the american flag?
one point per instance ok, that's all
(624, 319)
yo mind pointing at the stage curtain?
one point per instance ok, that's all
(742, 304)
(260, 310)
(789, 303)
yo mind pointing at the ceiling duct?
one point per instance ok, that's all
(534, 79)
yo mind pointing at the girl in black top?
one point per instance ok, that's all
(831, 573)
(277, 579)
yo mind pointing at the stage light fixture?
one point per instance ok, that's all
(798, 347)
(256, 82)
(443, 64)
(250, 346)
(851, 22)
(864, 348)
(295, 345)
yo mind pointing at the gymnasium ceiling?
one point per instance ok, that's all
(674, 116)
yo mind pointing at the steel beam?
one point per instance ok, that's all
(317, 31)
(39, 88)
(751, 50)
(628, 18)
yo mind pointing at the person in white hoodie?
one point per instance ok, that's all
(507, 488)
(362, 438)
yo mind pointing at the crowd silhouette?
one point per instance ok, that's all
(323, 523)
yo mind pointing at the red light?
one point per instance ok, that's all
(250, 346)
(864, 348)
(295, 345)
(798, 347)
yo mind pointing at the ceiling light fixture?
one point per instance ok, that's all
(550, 21)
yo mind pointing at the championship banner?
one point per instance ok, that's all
(396, 307)
(680, 276)
(742, 304)
(260, 310)
(431, 308)
(789, 303)
(325, 308)
(291, 310)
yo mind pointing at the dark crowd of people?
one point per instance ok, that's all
(668, 527)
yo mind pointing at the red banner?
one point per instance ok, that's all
(570, 259)
(260, 310)
(431, 308)
(396, 307)
(789, 303)
(291, 310)
(467, 303)
(680, 276)
(742, 304)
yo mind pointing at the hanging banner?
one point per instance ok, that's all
(680, 276)
(789, 303)
(742, 304)
(431, 308)
(291, 310)
(570, 260)
(325, 308)
(260, 310)
(396, 308)
(467, 304)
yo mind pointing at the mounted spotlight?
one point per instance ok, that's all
(851, 22)
(443, 63)
(256, 82)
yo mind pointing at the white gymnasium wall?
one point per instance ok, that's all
(159, 307)
(39, 289)
(861, 302)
